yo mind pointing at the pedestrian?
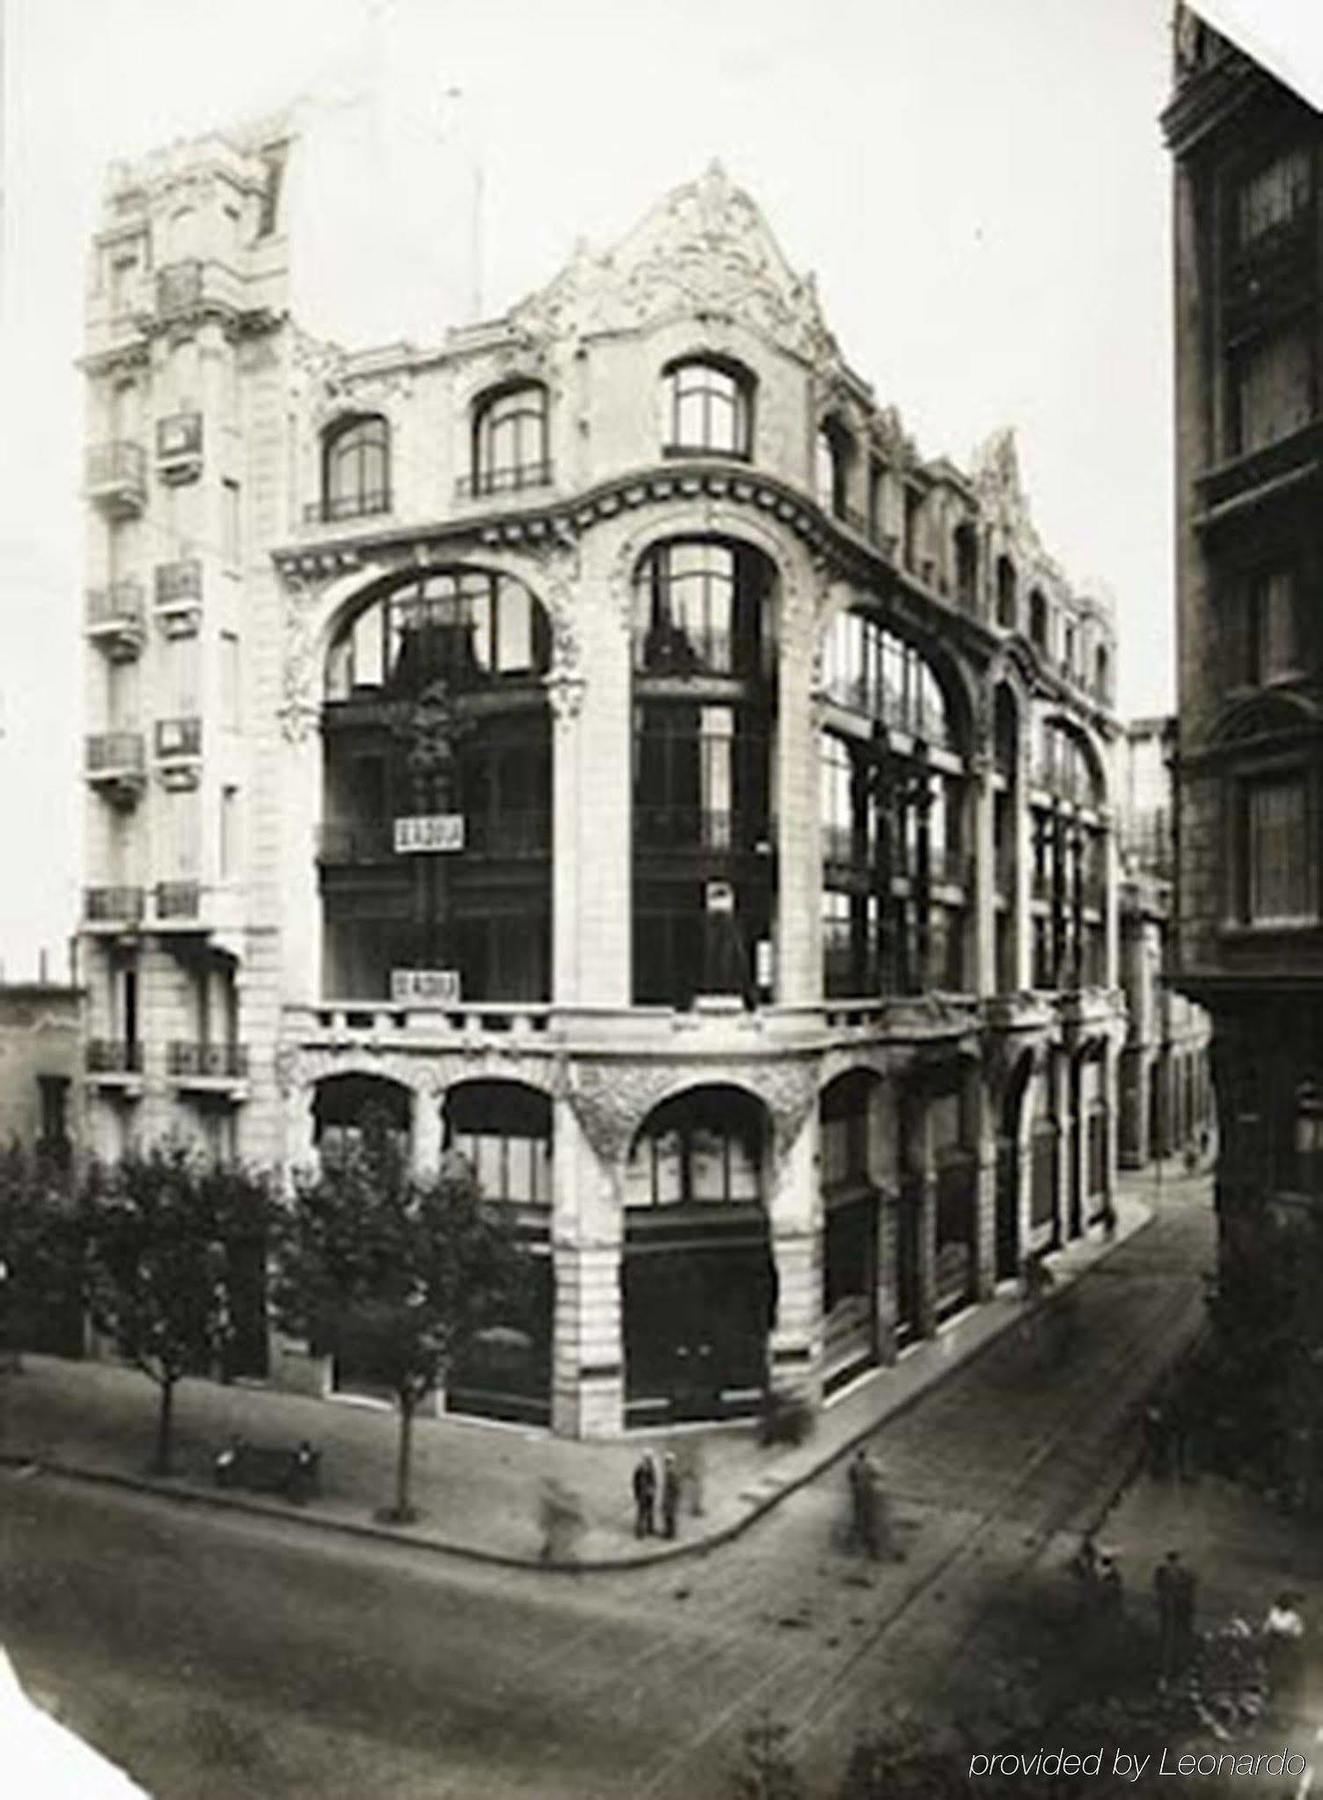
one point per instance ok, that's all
(645, 1494)
(1182, 1590)
(1281, 1634)
(561, 1516)
(856, 1475)
(1156, 1439)
(670, 1494)
(1110, 1587)
(1084, 1565)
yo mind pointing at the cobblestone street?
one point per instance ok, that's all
(362, 1670)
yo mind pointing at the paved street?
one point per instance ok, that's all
(221, 1656)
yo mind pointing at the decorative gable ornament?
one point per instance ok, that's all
(704, 251)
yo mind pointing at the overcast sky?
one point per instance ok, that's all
(980, 186)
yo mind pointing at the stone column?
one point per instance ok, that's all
(1022, 826)
(798, 921)
(982, 802)
(981, 1121)
(425, 1132)
(566, 697)
(588, 1374)
(923, 1185)
(796, 1224)
(1111, 1101)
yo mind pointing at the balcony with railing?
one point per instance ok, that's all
(194, 285)
(915, 715)
(114, 1063)
(178, 749)
(220, 1069)
(179, 447)
(115, 619)
(112, 908)
(178, 596)
(177, 902)
(485, 483)
(331, 509)
(115, 764)
(115, 478)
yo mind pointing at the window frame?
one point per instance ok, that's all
(739, 401)
(365, 440)
(493, 469)
(1289, 773)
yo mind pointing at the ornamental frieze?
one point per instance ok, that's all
(611, 1100)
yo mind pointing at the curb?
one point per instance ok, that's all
(190, 1494)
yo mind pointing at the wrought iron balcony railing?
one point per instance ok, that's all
(178, 900)
(333, 507)
(113, 905)
(503, 481)
(109, 752)
(210, 1062)
(112, 1056)
(117, 471)
(178, 581)
(118, 604)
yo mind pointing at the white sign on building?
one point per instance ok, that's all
(429, 832)
(434, 987)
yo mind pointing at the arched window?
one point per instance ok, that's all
(1102, 674)
(709, 408)
(701, 1148)
(1038, 620)
(1067, 768)
(834, 454)
(965, 546)
(465, 626)
(870, 670)
(503, 1128)
(701, 607)
(1006, 593)
(356, 468)
(510, 441)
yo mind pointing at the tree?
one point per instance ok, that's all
(410, 1269)
(40, 1252)
(158, 1230)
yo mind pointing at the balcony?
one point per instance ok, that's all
(220, 1069)
(178, 746)
(179, 447)
(111, 1063)
(116, 765)
(178, 288)
(179, 597)
(115, 619)
(113, 909)
(332, 508)
(486, 482)
(116, 478)
(178, 902)
(195, 286)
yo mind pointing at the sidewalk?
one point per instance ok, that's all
(477, 1485)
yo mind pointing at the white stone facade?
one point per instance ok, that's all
(908, 1009)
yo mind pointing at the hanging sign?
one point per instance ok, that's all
(720, 897)
(429, 832)
(434, 987)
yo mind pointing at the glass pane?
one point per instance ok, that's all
(516, 630)
(668, 1176)
(707, 1164)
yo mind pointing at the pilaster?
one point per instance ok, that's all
(796, 1222)
(588, 1374)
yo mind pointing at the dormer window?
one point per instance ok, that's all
(356, 468)
(510, 441)
(709, 408)
(1038, 620)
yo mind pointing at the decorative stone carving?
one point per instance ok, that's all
(300, 703)
(705, 250)
(611, 1100)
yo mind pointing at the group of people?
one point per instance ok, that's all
(654, 1487)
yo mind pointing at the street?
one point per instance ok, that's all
(224, 1657)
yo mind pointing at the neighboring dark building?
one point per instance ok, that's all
(1249, 447)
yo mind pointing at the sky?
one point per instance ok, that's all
(979, 185)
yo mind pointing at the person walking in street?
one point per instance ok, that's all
(645, 1495)
(1282, 1635)
(1157, 1440)
(670, 1494)
(1173, 1593)
(1110, 1587)
(856, 1475)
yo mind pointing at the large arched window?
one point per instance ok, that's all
(503, 1128)
(701, 606)
(510, 441)
(700, 1148)
(709, 407)
(465, 626)
(356, 468)
(870, 670)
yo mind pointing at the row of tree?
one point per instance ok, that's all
(161, 1253)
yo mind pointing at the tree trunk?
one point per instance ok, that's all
(164, 1422)
(403, 1510)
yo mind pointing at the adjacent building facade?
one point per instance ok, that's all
(1166, 1102)
(1248, 256)
(603, 744)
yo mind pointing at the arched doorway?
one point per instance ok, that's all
(855, 1148)
(698, 1285)
(349, 1113)
(503, 1131)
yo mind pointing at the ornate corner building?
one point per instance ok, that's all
(603, 744)
(1250, 558)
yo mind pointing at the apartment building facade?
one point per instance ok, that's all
(1246, 156)
(602, 745)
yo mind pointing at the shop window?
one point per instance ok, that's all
(467, 627)
(504, 1130)
(702, 1148)
(700, 608)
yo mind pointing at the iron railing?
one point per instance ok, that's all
(332, 507)
(119, 464)
(112, 1056)
(114, 750)
(120, 603)
(213, 1062)
(178, 899)
(178, 581)
(503, 481)
(114, 904)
